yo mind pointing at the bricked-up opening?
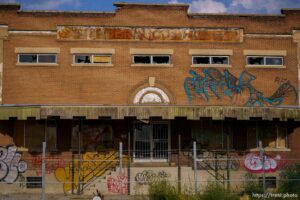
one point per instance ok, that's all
(264, 60)
(210, 59)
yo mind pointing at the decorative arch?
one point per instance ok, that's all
(151, 95)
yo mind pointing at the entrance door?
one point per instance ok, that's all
(151, 141)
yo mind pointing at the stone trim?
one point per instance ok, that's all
(265, 52)
(266, 66)
(209, 52)
(152, 51)
(92, 65)
(37, 50)
(92, 50)
(211, 65)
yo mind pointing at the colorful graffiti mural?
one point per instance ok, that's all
(118, 185)
(254, 163)
(91, 166)
(218, 83)
(11, 164)
(53, 162)
(147, 176)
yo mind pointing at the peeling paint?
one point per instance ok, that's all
(148, 34)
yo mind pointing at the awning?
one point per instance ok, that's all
(145, 112)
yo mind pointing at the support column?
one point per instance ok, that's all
(3, 35)
(296, 38)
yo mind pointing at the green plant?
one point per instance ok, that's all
(163, 190)
(215, 191)
(290, 180)
(252, 185)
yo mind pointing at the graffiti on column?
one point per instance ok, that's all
(148, 176)
(254, 163)
(118, 185)
(214, 82)
(11, 164)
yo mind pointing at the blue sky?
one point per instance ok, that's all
(196, 6)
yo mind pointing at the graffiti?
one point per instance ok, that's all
(148, 176)
(254, 163)
(96, 137)
(148, 34)
(51, 164)
(91, 166)
(218, 83)
(118, 185)
(11, 164)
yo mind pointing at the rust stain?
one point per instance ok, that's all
(148, 34)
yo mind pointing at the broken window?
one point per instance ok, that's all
(161, 59)
(151, 59)
(37, 58)
(142, 59)
(92, 58)
(200, 60)
(264, 60)
(272, 134)
(219, 60)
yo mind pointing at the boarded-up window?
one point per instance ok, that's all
(92, 58)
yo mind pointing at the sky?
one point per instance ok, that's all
(196, 6)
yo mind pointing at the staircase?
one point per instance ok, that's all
(92, 166)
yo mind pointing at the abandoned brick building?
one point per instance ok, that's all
(151, 76)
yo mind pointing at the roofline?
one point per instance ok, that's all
(233, 15)
(121, 4)
(10, 6)
(65, 12)
(294, 10)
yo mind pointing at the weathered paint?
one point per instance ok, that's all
(149, 34)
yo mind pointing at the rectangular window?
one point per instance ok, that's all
(92, 59)
(35, 133)
(151, 59)
(272, 134)
(265, 60)
(219, 60)
(37, 58)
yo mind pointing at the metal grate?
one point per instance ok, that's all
(34, 182)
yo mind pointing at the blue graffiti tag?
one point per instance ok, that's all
(215, 81)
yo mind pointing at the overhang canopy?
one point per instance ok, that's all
(145, 112)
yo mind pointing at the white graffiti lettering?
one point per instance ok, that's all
(11, 164)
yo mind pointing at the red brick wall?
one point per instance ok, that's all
(65, 84)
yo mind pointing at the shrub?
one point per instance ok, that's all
(252, 185)
(163, 190)
(215, 191)
(290, 182)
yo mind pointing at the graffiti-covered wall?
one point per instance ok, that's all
(222, 85)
